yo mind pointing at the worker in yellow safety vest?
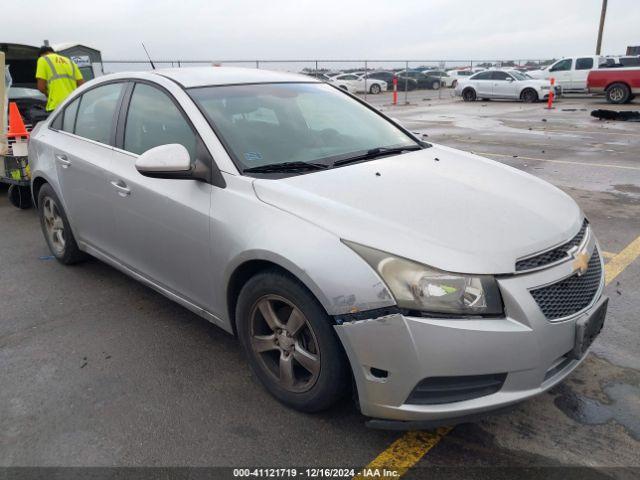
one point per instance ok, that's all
(57, 77)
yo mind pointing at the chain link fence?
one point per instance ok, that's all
(437, 78)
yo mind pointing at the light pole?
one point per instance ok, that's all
(603, 14)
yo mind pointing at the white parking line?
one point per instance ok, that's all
(585, 164)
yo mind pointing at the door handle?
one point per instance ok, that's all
(63, 160)
(121, 187)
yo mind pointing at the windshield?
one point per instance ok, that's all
(265, 124)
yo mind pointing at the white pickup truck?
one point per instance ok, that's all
(570, 73)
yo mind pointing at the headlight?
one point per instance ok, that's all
(419, 287)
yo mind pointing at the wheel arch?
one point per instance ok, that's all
(622, 82)
(36, 185)
(528, 88)
(248, 268)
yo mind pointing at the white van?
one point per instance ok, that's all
(570, 73)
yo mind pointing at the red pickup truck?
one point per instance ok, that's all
(620, 85)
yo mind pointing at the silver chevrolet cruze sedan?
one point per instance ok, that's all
(343, 251)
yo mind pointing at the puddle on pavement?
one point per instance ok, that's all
(623, 406)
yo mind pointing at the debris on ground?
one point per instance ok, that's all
(629, 116)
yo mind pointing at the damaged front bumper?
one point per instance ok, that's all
(419, 372)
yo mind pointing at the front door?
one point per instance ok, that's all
(504, 85)
(163, 226)
(561, 71)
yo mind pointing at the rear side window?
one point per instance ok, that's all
(584, 64)
(96, 112)
(69, 117)
(482, 76)
(153, 120)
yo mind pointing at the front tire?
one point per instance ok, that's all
(290, 343)
(618, 93)
(529, 95)
(375, 89)
(56, 229)
(435, 85)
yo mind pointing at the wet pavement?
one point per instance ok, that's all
(97, 369)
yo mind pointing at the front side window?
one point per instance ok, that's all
(296, 122)
(561, 66)
(584, 63)
(96, 112)
(153, 120)
(500, 76)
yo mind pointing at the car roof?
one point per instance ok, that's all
(206, 76)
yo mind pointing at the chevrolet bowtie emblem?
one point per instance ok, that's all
(581, 263)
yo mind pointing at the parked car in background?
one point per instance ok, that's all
(357, 84)
(446, 80)
(619, 85)
(570, 73)
(502, 84)
(423, 81)
(387, 76)
(293, 216)
(456, 75)
(325, 77)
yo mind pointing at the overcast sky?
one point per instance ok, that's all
(326, 29)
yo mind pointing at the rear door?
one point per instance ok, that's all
(580, 72)
(162, 225)
(83, 152)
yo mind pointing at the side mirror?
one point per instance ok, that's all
(166, 161)
(509, 79)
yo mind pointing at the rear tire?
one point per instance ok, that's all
(529, 95)
(20, 197)
(469, 95)
(618, 93)
(56, 229)
(304, 367)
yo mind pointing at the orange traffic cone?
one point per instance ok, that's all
(16, 124)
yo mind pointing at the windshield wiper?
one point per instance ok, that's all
(286, 167)
(375, 153)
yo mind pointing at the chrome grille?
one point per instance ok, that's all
(553, 255)
(572, 294)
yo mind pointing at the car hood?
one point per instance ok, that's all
(442, 207)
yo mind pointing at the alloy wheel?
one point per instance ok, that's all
(54, 225)
(616, 94)
(284, 343)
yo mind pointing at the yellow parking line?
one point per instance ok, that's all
(618, 263)
(586, 164)
(407, 450)
(403, 454)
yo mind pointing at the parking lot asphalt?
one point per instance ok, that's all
(96, 369)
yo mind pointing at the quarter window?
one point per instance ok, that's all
(584, 64)
(96, 112)
(153, 120)
(69, 117)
